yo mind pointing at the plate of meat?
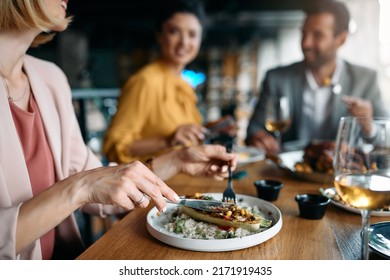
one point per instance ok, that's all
(313, 163)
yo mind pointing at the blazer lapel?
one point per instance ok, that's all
(49, 115)
(339, 109)
(297, 95)
(14, 180)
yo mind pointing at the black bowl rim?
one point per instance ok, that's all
(299, 198)
(275, 183)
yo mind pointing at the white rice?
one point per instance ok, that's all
(174, 221)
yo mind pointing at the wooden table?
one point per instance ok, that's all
(336, 236)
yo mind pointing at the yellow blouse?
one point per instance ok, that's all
(154, 102)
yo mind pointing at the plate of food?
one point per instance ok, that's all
(314, 163)
(257, 222)
(336, 200)
(379, 238)
(248, 154)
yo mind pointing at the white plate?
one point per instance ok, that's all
(379, 238)
(288, 160)
(157, 230)
(337, 202)
(249, 154)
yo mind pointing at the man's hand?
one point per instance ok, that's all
(358, 107)
(264, 140)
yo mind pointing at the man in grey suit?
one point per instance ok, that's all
(321, 88)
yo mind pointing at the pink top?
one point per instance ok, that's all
(54, 99)
(38, 156)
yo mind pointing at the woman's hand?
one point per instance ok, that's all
(207, 160)
(129, 185)
(203, 160)
(187, 135)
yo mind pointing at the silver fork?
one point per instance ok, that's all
(228, 194)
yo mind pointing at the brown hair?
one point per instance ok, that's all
(25, 14)
(336, 8)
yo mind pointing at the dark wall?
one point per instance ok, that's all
(125, 23)
(120, 34)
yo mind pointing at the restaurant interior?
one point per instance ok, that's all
(109, 40)
(243, 39)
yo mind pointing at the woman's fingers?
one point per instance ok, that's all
(146, 182)
(127, 186)
(190, 134)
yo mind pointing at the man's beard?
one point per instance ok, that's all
(318, 61)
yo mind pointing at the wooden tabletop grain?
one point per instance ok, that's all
(335, 236)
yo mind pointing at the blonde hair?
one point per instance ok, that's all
(25, 14)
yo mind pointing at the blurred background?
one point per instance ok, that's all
(109, 40)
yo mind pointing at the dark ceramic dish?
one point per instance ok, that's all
(268, 189)
(312, 206)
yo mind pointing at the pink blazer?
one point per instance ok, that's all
(53, 96)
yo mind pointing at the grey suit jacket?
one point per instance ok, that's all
(290, 80)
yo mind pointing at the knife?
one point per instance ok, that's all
(203, 205)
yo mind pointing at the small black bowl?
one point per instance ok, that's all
(312, 206)
(268, 189)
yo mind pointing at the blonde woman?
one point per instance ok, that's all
(46, 171)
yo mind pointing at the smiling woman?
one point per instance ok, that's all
(179, 39)
(157, 107)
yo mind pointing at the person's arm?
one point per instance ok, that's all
(123, 141)
(366, 99)
(143, 147)
(185, 135)
(204, 160)
(358, 107)
(264, 140)
(135, 104)
(374, 95)
(121, 185)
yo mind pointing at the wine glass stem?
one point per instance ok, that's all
(365, 234)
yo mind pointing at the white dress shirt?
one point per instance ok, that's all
(317, 105)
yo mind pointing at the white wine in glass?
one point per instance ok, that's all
(277, 116)
(371, 192)
(362, 167)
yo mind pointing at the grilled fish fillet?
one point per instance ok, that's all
(247, 221)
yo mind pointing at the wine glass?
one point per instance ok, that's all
(362, 167)
(277, 116)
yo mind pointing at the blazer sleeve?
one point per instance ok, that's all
(362, 82)
(8, 218)
(374, 95)
(134, 106)
(257, 120)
